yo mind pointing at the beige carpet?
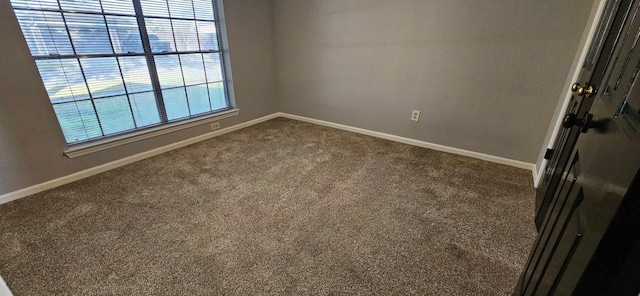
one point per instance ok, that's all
(283, 207)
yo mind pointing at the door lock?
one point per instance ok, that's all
(580, 90)
(585, 124)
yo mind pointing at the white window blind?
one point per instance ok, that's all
(117, 66)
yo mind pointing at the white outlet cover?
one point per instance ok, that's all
(415, 115)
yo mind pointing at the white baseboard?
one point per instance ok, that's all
(124, 161)
(413, 142)
(131, 159)
(4, 289)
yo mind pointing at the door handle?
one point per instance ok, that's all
(586, 123)
(580, 90)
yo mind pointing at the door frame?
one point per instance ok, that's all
(555, 125)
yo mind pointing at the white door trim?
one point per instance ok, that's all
(574, 73)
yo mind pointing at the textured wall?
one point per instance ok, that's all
(31, 142)
(486, 75)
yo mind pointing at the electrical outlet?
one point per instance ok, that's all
(215, 125)
(415, 115)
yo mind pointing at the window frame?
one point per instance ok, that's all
(165, 125)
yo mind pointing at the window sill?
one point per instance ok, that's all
(92, 147)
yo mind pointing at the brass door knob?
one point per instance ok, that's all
(575, 87)
(580, 90)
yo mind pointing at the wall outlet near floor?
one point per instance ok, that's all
(415, 115)
(215, 125)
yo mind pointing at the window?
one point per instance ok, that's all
(115, 66)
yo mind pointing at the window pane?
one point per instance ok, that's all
(198, 96)
(78, 121)
(207, 35)
(160, 35)
(115, 114)
(154, 8)
(118, 6)
(63, 79)
(145, 109)
(74, 5)
(192, 68)
(35, 4)
(181, 8)
(45, 32)
(186, 35)
(88, 33)
(213, 67)
(106, 88)
(125, 35)
(204, 9)
(103, 76)
(175, 101)
(135, 73)
(169, 72)
(216, 93)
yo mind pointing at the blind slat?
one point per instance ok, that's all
(94, 64)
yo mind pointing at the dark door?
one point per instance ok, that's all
(608, 34)
(585, 230)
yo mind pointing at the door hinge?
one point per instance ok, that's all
(548, 154)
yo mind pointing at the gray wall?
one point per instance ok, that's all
(486, 75)
(31, 142)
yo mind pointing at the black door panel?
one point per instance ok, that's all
(610, 33)
(581, 222)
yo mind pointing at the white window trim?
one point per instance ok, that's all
(136, 136)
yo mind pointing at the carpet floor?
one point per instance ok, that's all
(283, 207)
